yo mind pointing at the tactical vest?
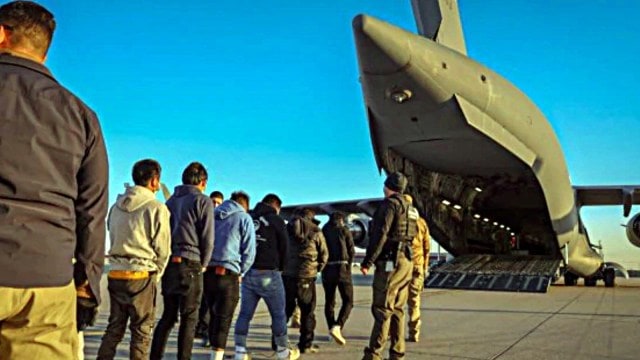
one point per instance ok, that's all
(406, 224)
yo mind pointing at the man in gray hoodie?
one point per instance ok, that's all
(140, 243)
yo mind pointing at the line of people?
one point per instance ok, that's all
(197, 244)
(251, 255)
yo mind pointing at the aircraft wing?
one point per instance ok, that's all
(359, 206)
(626, 195)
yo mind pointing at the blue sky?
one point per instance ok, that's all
(266, 93)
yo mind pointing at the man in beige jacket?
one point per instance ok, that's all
(420, 247)
(140, 235)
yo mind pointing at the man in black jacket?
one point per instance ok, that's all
(264, 279)
(393, 228)
(307, 256)
(337, 274)
(53, 196)
(192, 233)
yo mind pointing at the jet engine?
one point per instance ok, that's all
(633, 230)
(359, 228)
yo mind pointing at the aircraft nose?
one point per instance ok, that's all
(382, 48)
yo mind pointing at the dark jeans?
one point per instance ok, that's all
(222, 293)
(135, 300)
(337, 276)
(181, 291)
(202, 329)
(302, 291)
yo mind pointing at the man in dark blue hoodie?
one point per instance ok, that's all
(233, 255)
(192, 233)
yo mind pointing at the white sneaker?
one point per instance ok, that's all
(288, 354)
(217, 355)
(336, 334)
(241, 356)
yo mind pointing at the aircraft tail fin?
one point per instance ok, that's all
(165, 191)
(439, 20)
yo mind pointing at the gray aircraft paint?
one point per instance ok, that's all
(462, 119)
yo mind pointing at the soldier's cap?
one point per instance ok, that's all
(396, 181)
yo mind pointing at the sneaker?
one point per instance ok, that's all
(241, 355)
(205, 342)
(336, 334)
(310, 350)
(219, 355)
(288, 354)
(413, 338)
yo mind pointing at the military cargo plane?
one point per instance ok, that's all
(484, 165)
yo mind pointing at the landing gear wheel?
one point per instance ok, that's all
(590, 281)
(570, 279)
(609, 277)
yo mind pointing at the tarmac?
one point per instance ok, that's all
(565, 323)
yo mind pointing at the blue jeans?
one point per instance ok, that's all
(267, 285)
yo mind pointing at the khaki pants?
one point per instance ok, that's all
(38, 323)
(390, 291)
(415, 290)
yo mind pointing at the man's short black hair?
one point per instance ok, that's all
(272, 199)
(145, 170)
(216, 194)
(194, 174)
(308, 212)
(338, 216)
(30, 25)
(239, 196)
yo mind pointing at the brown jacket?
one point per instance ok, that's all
(420, 246)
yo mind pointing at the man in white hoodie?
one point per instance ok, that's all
(140, 235)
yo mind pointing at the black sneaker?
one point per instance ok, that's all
(205, 342)
(310, 350)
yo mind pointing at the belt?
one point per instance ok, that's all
(176, 259)
(128, 275)
(342, 262)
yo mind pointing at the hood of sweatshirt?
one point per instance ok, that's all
(184, 190)
(134, 198)
(227, 208)
(262, 209)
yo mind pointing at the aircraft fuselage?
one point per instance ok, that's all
(483, 162)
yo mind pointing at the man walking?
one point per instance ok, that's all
(394, 225)
(307, 256)
(192, 231)
(202, 329)
(233, 255)
(264, 279)
(53, 196)
(140, 236)
(420, 246)
(337, 274)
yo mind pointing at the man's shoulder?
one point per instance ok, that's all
(275, 219)
(246, 217)
(43, 86)
(157, 205)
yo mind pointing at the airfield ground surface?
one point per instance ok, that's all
(565, 323)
